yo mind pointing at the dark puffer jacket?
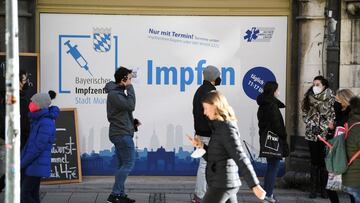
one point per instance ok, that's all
(270, 118)
(225, 156)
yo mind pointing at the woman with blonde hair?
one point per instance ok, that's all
(342, 111)
(225, 154)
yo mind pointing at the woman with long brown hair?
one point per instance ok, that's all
(318, 114)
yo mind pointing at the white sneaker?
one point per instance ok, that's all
(269, 199)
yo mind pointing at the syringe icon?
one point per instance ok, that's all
(77, 56)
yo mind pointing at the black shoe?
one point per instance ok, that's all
(114, 199)
(324, 194)
(119, 199)
(126, 199)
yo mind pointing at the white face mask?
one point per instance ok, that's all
(317, 90)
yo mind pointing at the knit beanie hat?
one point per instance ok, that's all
(42, 100)
(211, 73)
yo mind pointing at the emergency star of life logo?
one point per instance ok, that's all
(102, 39)
(259, 34)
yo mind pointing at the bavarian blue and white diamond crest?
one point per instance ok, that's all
(102, 42)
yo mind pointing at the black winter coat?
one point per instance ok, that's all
(201, 123)
(270, 118)
(24, 118)
(225, 156)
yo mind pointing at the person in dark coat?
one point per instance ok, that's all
(270, 119)
(350, 179)
(24, 121)
(36, 154)
(342, 111)
(225, 155)
(120, 106)
(24, 108)
(201, 124)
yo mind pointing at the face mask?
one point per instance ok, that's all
(25, 86)
(217, 81)
(33, 107)
(317, 90)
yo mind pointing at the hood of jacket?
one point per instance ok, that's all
(52, 112)
(265, 100)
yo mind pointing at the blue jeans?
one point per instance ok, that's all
(270, 175)
(125, 152)
(200, 187)
(354, 191)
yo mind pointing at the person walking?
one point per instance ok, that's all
(350, 179)
(211, 79)
(270, 119)
(225, 155)
(36, 154)
(120, 106)
(318, 113)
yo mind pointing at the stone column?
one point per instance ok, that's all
(350, 46)
(311, 61)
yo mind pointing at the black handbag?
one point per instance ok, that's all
(271, 146)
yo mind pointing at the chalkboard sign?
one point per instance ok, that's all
(29, 62)
(65, 152)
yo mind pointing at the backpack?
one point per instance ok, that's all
(336, 159)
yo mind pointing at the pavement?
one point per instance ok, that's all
(159, 189)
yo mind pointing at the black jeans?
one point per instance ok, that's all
(30, 189)
(221, 195)
(2, 183)
(317, 153)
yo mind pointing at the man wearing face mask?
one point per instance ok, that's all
(120, 106)
(211, 79)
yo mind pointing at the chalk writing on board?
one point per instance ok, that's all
(62, 167)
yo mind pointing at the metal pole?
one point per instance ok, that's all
(12, 126)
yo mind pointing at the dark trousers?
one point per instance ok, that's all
(317, 153)
(2, 183)
(220, 195)
(30, 189)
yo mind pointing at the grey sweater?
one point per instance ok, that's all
(120, 106)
